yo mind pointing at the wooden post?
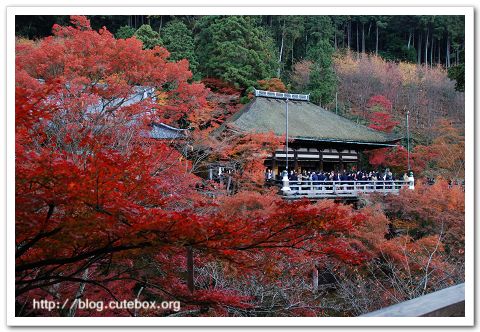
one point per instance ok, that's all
(320, 153)
(274, 166)
(228, 183)
(190, 283)
(315, 279)
(295, 163)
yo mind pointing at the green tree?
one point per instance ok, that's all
(318, 28)
(149, 38)
(457, 73)
(235, 49)
(381, 22)
(124, 32)
(339, 24)
(178, 40)
(323, 81)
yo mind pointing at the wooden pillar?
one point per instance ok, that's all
(320, 154)
(295, 160)
(274, 166)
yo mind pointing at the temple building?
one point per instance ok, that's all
(318, 139)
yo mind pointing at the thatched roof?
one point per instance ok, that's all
(306, 121)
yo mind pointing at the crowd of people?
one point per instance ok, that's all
(360, 175)
(299, 179)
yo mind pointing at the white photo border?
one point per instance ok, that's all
(468, 320)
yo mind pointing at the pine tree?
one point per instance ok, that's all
(323, 81)
(178, 40)
(235, 49)
(124, 32)
(149, 38)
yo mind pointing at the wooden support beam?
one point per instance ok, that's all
(190, 279)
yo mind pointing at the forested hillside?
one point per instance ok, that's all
(279, 42)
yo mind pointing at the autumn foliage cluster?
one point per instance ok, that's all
(425, 91)
(104, 212)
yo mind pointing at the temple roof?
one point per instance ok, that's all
(306, 121)
(163, 131)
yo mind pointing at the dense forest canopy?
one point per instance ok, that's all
(424, 39)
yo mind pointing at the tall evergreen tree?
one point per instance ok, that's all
(323, 81)
(124, 32)
(235, 49)
(178, 40)
(149, 38)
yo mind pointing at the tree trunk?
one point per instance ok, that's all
(293, 45)
(376, 40)
(135, 313)
(439, 52)
(335, 40)
(447, 57)
(281, 51)
(419, 51)
(190, 283)
(426, 51)
(409, 39)
(349, 34)
(431, 52)
(363, 37)
(315, 279)
(78, 295)
(358, 46)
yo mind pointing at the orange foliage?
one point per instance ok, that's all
(272, 84)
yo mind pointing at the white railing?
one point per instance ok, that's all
(281, 95)
(319, 189)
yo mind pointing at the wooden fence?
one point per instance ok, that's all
(448, 302)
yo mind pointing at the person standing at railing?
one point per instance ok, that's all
(314, 180)
(343, 178)
(300, 179)
(321, 179)
(389, 178)
(374, 179)
(405, 177)
(268, 175)
(294, 179)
